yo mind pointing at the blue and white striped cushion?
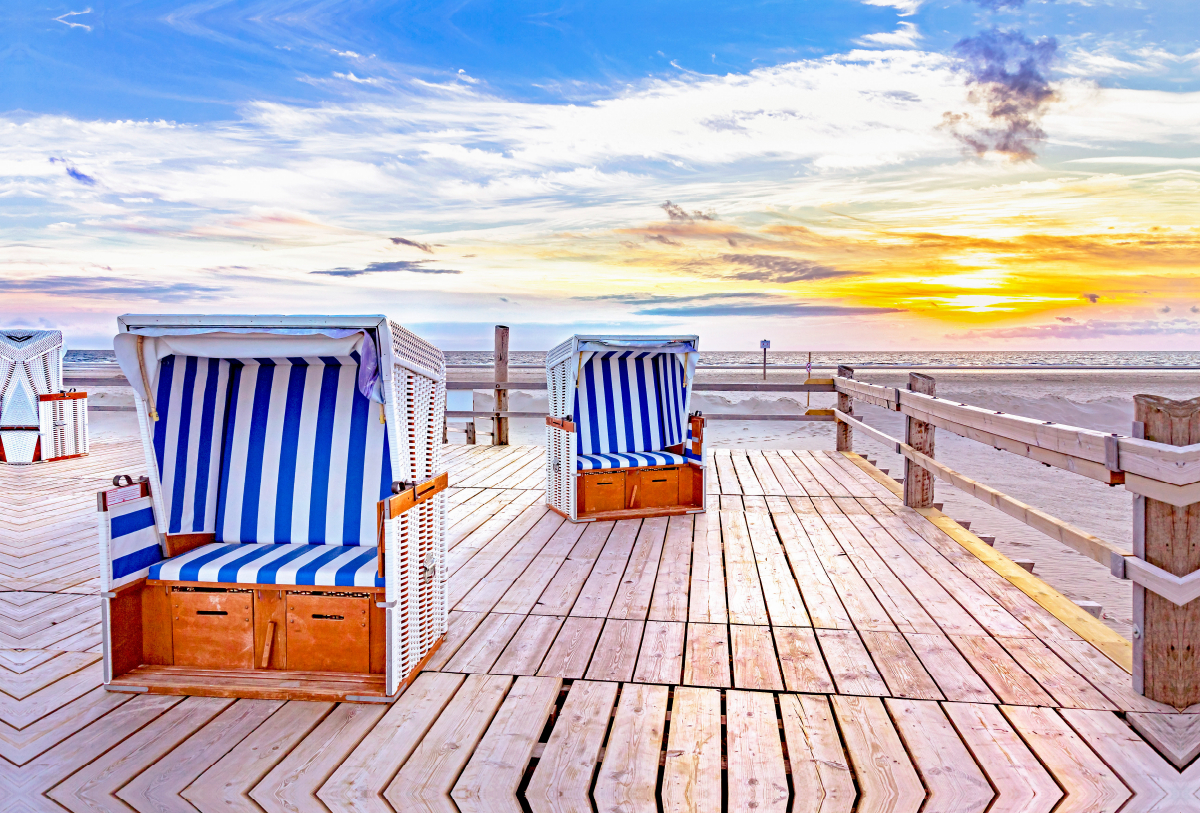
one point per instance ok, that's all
(306, 457)
(133, 539)
(191, 401)
(630, 401)
(311, 565)
(626, 460)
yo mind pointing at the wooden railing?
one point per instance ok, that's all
(1164, 478)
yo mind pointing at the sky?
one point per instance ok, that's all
(827, 174)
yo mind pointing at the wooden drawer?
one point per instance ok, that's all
(212, 628)
(656, 488)
(328, 632)
(601, 491)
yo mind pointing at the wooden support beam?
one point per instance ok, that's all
(845, 435)
(501, 373)
(1167, 536)
(918, 483)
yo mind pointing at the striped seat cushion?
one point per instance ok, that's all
(310, 565)
(625, 460)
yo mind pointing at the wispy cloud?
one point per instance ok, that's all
(101, 287)
(62, 18)
(1090, 329)
(906, 36)
(404, 241)
(773, 268)
(905, 7)
(74, 172)
(413, 266)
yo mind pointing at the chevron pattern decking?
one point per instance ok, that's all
(809, 644)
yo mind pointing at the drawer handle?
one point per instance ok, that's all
(663, 480)
(329, 617)
(211, 612)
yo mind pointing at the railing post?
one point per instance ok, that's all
(918, 483)
(1166, 644)
(501, 367)
(845, 435)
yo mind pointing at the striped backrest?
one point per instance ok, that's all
(630, 401)
(131, 542)
(191, 400)
(305, 458)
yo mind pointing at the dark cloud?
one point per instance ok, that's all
(73, 172)
(414, 266)
(111, 288)
(1091, 329)
(996, 5)
(404, 241)
(659, 238)
(731, 304)
(1194, 309)
(1006, 73)
(676, 212)
(1093, 298)
(773, 268)
(1165, 309)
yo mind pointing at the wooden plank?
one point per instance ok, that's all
(601, 586)
(1090, 785)
(1110, 679)
(781, 474)
(827, 460)
(486, 643)
(226, 785)
(19, 746)
(660, 659)
(692, 767)
(559, 596)
(1067, 687)
(729, 482)
(900, 667)
(820, 773)
(764, 474)
(820, 597)
(887, 780)
(754, 663)
(459, 627)
(757, 777)
(731, 502)
(832, 486)
(785, 607)
(293, 783)
(428, 775)
(489, 782)
(466, 573)
(528, 647)
(745, 473)
(562, 780)
(358, 783)
(158, 787)
(746, 603)
(849, 664)
(706, 656)
(670, 600)
(809, 485)
(954, 781)
(523, 596)
(1021, 783)
(487, 591)
(572, 649)
(632, 599)
(629, 774)
(803, 667)
(707, 592)
(616, 651)
(950, 670)
(1002, 674)
(514, 517)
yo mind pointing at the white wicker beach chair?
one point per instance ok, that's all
(619, 439)
(38, 420)
(290, 537)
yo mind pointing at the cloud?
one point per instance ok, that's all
(997, 5)
(414, 266)
(659, 238)
(73, 172)
(404, 241)
(742, 303)
(905, 7)
(1006, 73)
(906, 36)
(62, 18)
(773, 268)
(1091, 329)
(81, 287)
(1093, 298)
(678, 213)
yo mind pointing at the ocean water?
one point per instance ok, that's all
(1100, 399)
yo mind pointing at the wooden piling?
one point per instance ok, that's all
(501, 370)
(1166, 635)
(845, 435)
(918, 483)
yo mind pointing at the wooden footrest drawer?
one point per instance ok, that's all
(328, 632)
(213, 627)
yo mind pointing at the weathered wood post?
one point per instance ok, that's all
(1166, 643)
(501, 370)
(918, 483)
(845, 435)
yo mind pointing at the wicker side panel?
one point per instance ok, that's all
(560, 445)
(64, 428)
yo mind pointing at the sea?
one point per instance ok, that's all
(1037, 384)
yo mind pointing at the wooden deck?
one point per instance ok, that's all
(808, 644)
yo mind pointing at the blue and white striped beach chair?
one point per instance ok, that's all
(292, 519)
(619, 439)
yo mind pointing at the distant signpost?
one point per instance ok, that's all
(765, 344)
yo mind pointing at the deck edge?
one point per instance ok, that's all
(1115, 646)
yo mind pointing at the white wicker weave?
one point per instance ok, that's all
(31, 370)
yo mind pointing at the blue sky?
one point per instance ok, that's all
(263, 156)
